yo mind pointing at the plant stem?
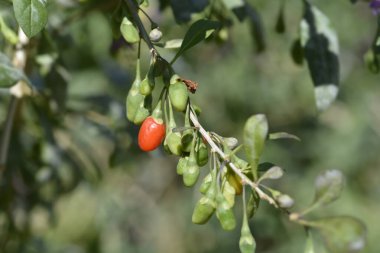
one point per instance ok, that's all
(245, 180)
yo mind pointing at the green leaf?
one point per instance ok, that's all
(31, 15)
(170, 44)
(274, 172)
(342, 234)
(265, 166)
(328, 186)
(255, 134)
(9, 74)
(283, 135)
(197, 32)
(321, 49)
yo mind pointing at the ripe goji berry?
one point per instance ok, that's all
(151, 134)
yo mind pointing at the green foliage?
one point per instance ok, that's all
(72, 131)
(31, 15)
(255, 134)
(197, 32)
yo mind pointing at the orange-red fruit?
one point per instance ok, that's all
(151, 134)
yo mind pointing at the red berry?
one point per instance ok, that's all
(151, 134)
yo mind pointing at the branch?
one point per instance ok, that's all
(245, 180)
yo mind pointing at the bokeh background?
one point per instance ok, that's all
(129, 201)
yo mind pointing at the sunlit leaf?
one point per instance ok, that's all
(255, 134)
(31, 15)
(176, 43)
(274, 172)
(265, 166)
(197, 32)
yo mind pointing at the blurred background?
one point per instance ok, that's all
(77, 182)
